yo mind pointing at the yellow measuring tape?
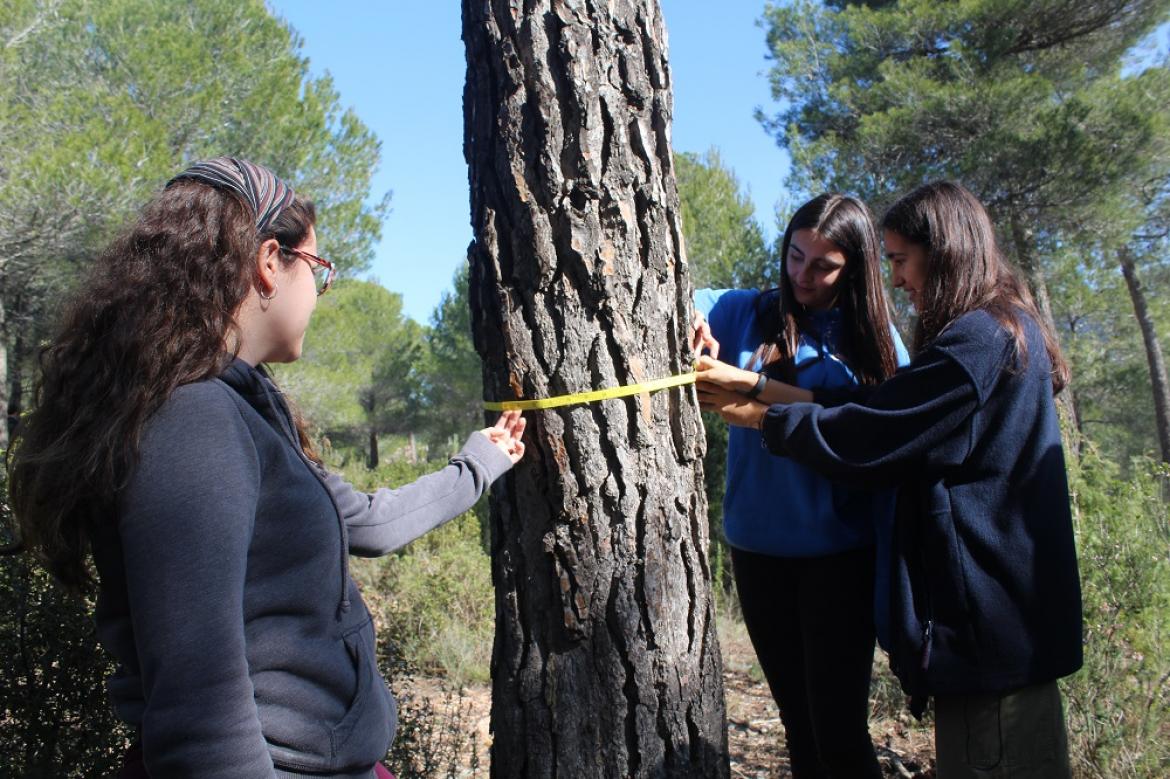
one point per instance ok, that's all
(590, 397)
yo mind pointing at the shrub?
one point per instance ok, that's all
(433, 602)
(56, 718)
(426, 747)
(1119, 703)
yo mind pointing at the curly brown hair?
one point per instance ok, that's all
(157, 311)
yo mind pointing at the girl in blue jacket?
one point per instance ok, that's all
(802, 547)
(985, 605)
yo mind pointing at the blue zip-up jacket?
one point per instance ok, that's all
(986, 593)
(243, 646)
(773, 505)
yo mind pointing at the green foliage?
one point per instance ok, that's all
(57, 720)
(451, 375)
(434, 609)
(110, 99)
(367, 368)
(102, 102)
(715, 482)
(433, 600)
(1029, 105)
(357, 378)
(1119, 703)
(1100, 338)
(1023, 102)
(1043, 111)
(724, 242)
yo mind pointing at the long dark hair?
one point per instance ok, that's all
(157, 311)
(866, 345)
(965, 269)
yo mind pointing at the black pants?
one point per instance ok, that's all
(811, 622)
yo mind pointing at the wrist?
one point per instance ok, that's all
(758, 380)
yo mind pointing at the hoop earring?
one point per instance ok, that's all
(268, 297)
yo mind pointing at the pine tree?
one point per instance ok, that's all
(606, 661)
(1034, 106)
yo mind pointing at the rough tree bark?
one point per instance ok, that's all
(1158, 381)
(606, 661)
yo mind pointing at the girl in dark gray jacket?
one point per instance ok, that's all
(221, 544)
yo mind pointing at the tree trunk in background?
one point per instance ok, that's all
(15, 359)
(1066, 403)
(372, 456)
(606, 661)
(1157, 363)
(6, 428)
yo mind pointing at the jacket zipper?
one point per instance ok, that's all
(927, 640)
(290, 432)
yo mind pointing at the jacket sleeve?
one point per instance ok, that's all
(879, 438)
(185, 522)
(380, 522)
(830, 397)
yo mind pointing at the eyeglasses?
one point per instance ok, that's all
(323, 269)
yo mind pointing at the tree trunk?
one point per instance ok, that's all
(1066, 403)
(606, 661)
(6, 428)
(372, 459)
(1157, 363)
(10, 365)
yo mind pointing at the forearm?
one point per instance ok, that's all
(779, 392)
(750, 384)
(389, 519)
(883, 440)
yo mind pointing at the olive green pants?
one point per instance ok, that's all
(1014, 735)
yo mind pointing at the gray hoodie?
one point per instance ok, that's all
(243, 647)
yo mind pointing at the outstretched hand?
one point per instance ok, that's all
(711, 371)
(735, 408)
(506, 434)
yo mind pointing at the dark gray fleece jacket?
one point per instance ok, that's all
(243, 646)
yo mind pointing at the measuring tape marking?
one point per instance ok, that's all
(590, 397)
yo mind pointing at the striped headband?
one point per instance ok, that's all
(257, 185)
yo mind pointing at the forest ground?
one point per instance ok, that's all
(755, 734)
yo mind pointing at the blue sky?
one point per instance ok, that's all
(400, 66)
